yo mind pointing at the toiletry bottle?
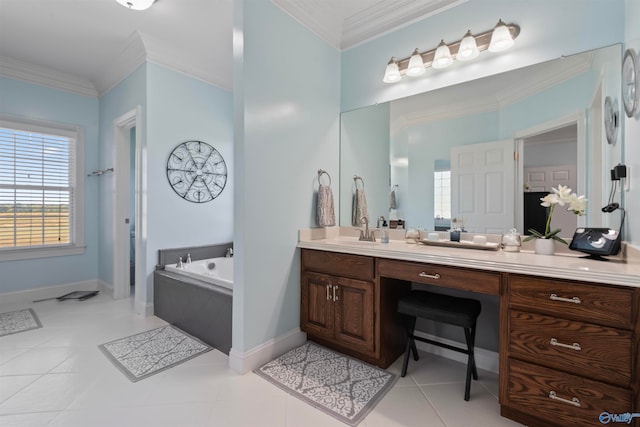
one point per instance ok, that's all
(384, 235)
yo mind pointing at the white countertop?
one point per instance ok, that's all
(566, 265)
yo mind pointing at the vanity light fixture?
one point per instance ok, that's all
(136, 4)
(442, 58)
(500, 38)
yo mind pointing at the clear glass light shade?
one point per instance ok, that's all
(136, 4)
(416, 65)
(392, 73)
(501, 38)
(442, 58)
(468, 48)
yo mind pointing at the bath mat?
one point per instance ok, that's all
(13, 322)
(142, 355)
(341, 386)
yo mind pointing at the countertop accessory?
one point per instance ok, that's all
(511, 241)
(463, 244)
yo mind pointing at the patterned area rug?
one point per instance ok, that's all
(142, 355)
(13, 322)
(338, 385)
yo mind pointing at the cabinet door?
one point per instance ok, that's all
(354, 314)
(316, 311)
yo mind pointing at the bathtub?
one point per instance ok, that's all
(218, 271)
(198, 299)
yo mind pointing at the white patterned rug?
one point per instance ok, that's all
(13, 322)
(338, 385)
(142, 355)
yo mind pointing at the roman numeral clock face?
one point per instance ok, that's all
(196, 171)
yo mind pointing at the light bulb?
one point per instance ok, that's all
(392, 72)
(501, 38)
(468, 48)
(136, 4)
(442, 57)
(416, 66)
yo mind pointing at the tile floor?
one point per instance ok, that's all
(57, 376)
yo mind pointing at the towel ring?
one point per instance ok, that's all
(356, 178)
(323, 172)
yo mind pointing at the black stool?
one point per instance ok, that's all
(445, 309)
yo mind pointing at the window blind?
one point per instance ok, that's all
(36, 188)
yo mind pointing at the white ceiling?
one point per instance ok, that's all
(87, 46)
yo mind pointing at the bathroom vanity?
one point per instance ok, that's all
(569, 327)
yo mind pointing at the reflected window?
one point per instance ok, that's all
(442, 196)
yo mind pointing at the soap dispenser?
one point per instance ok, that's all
(384, 235)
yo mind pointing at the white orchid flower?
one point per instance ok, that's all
(577, 204)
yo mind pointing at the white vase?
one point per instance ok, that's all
(544, 246)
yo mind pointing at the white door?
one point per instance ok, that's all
(483, 186)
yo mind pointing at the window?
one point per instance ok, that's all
(442, 194)
(40, 198)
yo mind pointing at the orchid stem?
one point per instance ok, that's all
(546, 229)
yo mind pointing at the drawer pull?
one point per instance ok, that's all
(429, 276)
(575, 346)
(335, 297)
(574, 300)
(574, 401)
(328, 296)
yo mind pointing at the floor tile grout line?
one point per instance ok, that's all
(432, 405)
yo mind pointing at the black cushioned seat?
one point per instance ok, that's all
(448, 309)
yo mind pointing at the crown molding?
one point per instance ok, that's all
(132, 55)
(30, 73)
(372, 22)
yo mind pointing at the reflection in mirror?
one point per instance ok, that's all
(474, 151)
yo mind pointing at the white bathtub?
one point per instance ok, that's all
(218, 271)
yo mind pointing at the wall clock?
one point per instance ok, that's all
(611, 119)
(196, 171)
(630, 82)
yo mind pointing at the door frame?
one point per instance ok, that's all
(121, 210)
(579, 119)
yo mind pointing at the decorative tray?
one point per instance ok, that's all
(465, 244)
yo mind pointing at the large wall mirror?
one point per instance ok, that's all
(538, 126)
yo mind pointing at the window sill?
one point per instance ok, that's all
(34, 253)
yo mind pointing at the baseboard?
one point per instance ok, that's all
(258, 356)
(105, 287)
(143, 309)
(485, 359)
(30, 295)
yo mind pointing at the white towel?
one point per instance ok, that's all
(392, 201)
(359, 208)
(325, 214)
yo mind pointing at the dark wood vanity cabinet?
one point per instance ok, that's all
(569, 351)
(337, 300)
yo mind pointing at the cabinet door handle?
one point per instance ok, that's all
(575, 346)
(574, 300)
(335, 296)
(574, 401)
(429, 276)
(328, 296)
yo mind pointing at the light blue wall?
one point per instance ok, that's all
(179, 109)
(41, 103)
(631, 130)
(287, 103)
(549, 29)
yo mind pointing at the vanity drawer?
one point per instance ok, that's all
(550, 394)
(595, 303)
(345, 265)
(599, 352)
(485, 282)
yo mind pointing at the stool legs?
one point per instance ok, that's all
(470, 336)
(411, 346)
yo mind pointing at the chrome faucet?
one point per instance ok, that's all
(381, 221)
(179, 263)
(229, 253)
(188, 261)
(365, 235)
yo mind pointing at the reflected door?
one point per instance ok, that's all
(483, 186)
